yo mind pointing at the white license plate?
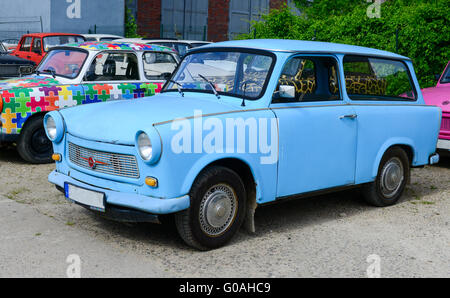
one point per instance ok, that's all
(93, 199)
(443, 144)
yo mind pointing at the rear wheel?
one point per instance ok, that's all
(33, 144)
(393, 174)
(217, 209)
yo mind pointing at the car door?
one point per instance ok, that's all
(24, 48)
(317, 129)
(36, 50)
(113, 75)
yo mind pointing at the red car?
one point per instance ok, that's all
(34, 46)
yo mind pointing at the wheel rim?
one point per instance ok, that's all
(392, 177)
(40, 144)
(218, 209)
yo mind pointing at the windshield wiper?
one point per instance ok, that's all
(179, 87)
(52, 72)
(211, 85)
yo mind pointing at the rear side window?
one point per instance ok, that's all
(368, 78)
(158, 66)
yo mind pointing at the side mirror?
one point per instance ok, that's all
(286, 91)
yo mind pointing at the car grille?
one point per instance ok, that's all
(117, 164)
(445, 124)
(9, 70)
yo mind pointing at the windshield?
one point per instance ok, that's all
(66, 63)
(446, 77)
(52, 41)
(241, 74)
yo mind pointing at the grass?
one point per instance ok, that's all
(69, 223)
(14, 194)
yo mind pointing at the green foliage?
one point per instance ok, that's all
(130, 24)
(422, 26)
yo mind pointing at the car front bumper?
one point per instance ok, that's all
(135, 201)
(443, 144)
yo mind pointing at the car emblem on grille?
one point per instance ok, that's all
(92, 162)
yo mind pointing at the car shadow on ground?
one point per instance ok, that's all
(8, 153)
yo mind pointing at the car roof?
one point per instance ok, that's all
(102, 35)
(284, 45)
(50, 34)
(118, 46)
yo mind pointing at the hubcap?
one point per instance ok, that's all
(40, 144)
(217, 209)
(392, 177)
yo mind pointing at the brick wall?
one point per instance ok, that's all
(275, 4)
(148, 18)
(218, 19)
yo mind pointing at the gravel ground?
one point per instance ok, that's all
(326, 236)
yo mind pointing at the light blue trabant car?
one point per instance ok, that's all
(245, 123)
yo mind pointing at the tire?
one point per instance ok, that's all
(33, 144)
(393, 175)
(217, 210)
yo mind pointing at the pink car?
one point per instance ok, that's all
(440, 96)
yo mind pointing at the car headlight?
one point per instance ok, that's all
(149, 145)
(51, 128)
(54, 126)
(144, 146)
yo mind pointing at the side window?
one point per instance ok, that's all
(308, 79)
(113, 67)
(158, 66)
(37, 46)
(26, 45)
(368, 78)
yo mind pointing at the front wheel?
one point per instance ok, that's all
(217, 209)
(33, 144)
(393, 174)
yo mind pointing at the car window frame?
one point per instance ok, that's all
(310, 55)
(228, 49)
(394, 99)
(111, 81)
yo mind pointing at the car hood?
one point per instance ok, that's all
(5, 58)
(118, 121)
(28, 82)
(438, 96)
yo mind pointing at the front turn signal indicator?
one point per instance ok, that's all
(152, 182)
(56, 157)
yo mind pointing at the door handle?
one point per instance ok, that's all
(352, 116)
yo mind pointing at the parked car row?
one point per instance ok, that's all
(235, 125)
(76, 74)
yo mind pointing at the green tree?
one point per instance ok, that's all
(422, 27)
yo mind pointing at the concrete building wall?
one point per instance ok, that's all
(80, 16)
(21, 16)
(73, 16)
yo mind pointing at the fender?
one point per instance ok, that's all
(389, 143)
(208, 159)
